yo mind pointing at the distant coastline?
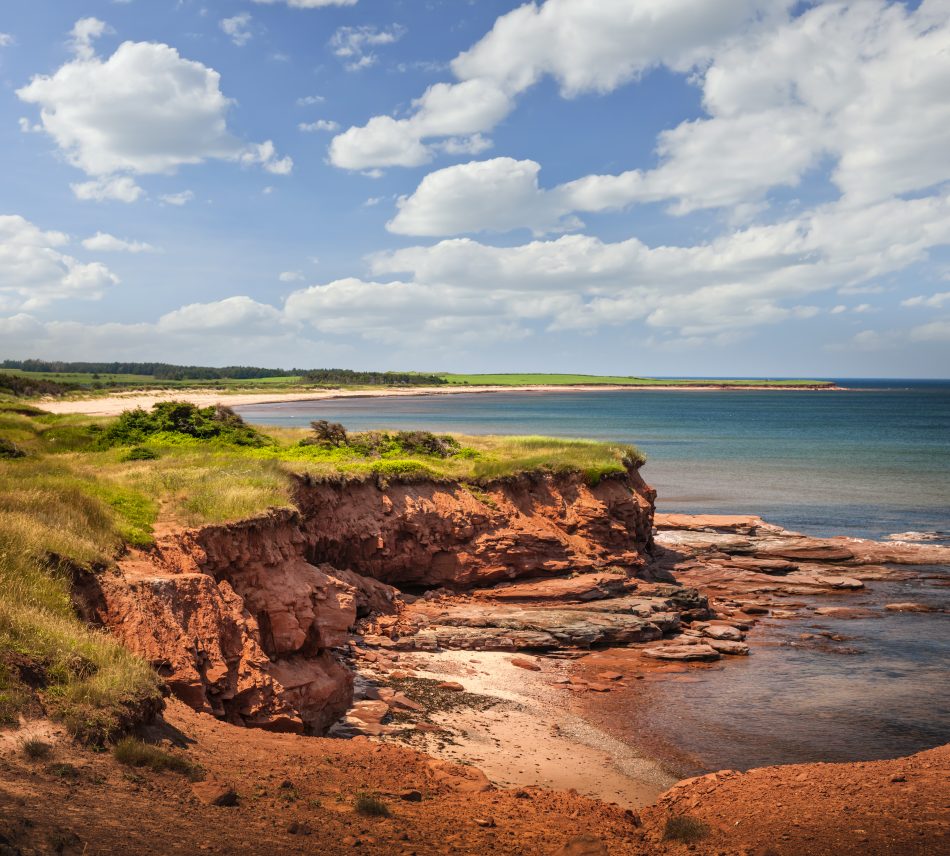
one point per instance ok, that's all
(114, 403)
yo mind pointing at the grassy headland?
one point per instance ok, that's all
(75, 492)
(620, 380)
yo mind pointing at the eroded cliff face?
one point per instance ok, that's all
(246, 620)
(443, 534)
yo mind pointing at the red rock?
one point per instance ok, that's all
(453, 686)
(215, 793)
(682, 652)
(610, 676)
(522, 663)
(909, 607)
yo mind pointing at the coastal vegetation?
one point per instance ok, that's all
(81, 491)
(37, 378)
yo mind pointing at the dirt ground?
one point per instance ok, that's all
(296, 795)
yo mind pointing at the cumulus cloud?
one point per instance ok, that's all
(355, 44)
(586, 47)
(106, 243)
(6, 40)
(238, 315)
(35, 271)
(237, 28)
(858, 84)
(144, 110)
(290, 276)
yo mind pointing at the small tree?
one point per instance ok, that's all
(331, 433)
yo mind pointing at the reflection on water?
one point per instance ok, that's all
(880, 692)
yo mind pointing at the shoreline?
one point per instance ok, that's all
(114, 403)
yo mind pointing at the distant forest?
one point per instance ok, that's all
(167, 371)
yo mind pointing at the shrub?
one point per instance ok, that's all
(682, 827)
(135, 753)
(181, 417)
(9, 449)
(36, 749)
(370, 805)
(140, 453)
(329, 433)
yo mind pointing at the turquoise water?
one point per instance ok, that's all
(867, 462)
(870, 461)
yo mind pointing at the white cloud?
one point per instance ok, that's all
(236, 314)
(6, 40)
(935, 331)
(355, 44)
(143, 110)
(319, 125)
(106, 243)
(120, 189)
(178, 199)
(290, 276)
(587, 47)
(444, 110)
(237, 28)
(34, 271)
(933, 301)
(310, 100)
(85, 31)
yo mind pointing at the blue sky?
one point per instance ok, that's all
(663, 187)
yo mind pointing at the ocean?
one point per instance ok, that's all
(867, 462)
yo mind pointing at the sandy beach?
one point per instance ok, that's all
(530, 738)
(115, 403)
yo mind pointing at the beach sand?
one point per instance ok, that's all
(114, 403)
(530, 738)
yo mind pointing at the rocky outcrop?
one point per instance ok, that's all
(246, 620)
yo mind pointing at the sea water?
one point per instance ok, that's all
(867, 462)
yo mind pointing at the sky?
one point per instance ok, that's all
(657, 187)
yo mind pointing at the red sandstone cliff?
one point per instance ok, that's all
(244, 619)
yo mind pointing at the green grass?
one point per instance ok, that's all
(135, 753)
(615, 380)
(76, 499)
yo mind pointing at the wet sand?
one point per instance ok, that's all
(531, 738)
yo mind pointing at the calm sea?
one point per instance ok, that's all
(870, 461)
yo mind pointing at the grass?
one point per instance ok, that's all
(370, 805)
(136, 753)
(36, 750)
(618, 380)
(75, 500)
(686, 829)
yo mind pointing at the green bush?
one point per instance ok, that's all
(140, 453)
(182, 418)
(9, 449)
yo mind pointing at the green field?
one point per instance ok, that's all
(134, 381)
(616, 380)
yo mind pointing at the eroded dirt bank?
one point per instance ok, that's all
(248, 621)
